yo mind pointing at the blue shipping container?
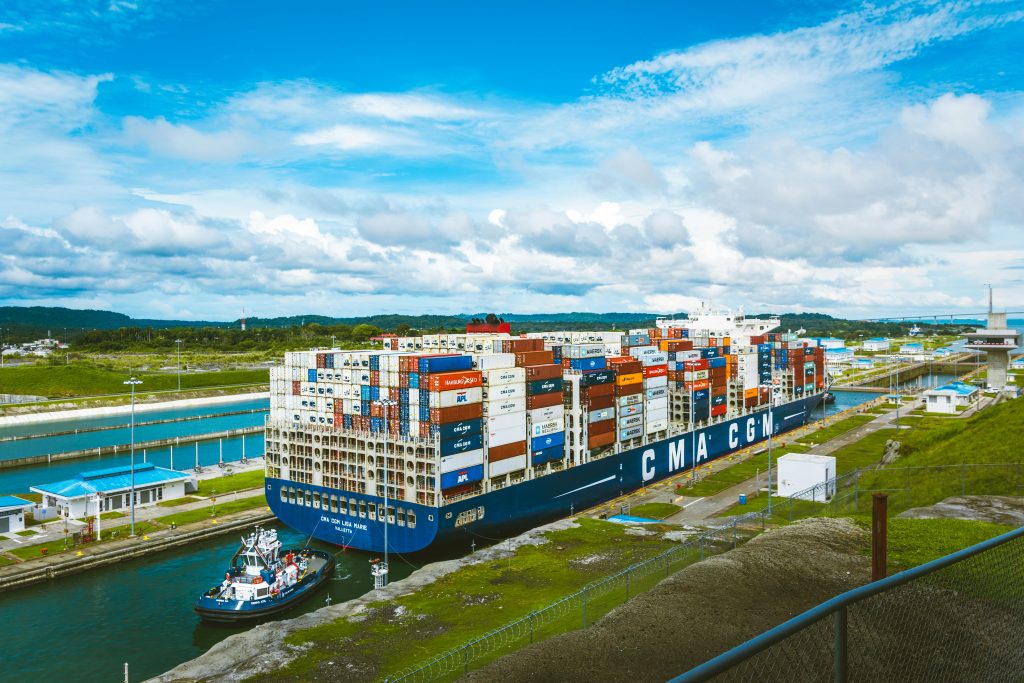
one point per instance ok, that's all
(541, 442)
(376, 424)
(701, 395)
(593, 363)
(718, 400)
(709, 352)
(329, 360)
(364, 392)
(462, 444)
(374, 393)
(414, 380)
(716, 362)
(424, 413)
(455, 430)
(364, 408)
(548, 454)
(458, 477)
(445, 364)
(592, 378)
(311, 375)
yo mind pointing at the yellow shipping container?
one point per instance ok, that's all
(750, 393)
(632, 378)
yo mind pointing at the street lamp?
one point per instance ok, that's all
(380, 571)
(177, 345)
(133, 382)
(772, 389)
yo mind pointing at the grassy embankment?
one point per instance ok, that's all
(474, 600)
(219, 486)
(84, 380)
(655, 510)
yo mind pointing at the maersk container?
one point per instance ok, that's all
(593, 378)
(578, 351)
(659, 392)
(631, 433)
(468, 475)
(541, 442)
(545, 428)
(592, 363)
(631, 410)
(456, 430)
(600, 415)
(429, 364)
(630, 421)
(462, 460)
(630, 400)
(548, 454)
(462, 444)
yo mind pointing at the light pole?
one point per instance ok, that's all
(332, 341)
(177, 344)
(381, 570)
(771, 430)
(2, 347)
(133, 382)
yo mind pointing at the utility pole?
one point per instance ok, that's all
(133, 382)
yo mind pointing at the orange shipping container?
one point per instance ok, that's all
(631, 378)
(750, 393)
(509, 450)
(446, 381)
(543, 371)
(543, 400)
(602, 427)
(598, 440)
(524, 358)
(467, 411)
(598, 402)
(598, 390)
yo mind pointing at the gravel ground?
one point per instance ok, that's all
(702, 610)
(997, 509)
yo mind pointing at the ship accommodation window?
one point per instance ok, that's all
(342, 505)
(284, 495)
(380, 512)
(401, 516)
(372, 511)
(391, 515)
(291, 495)
(308, 496)
(362, 508)
(298, 496)
(352, 507)
(334, 503)
(316, 500)
(411, 518)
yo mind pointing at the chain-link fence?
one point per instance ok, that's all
(957, 618)
(583, 607)
(850, 493)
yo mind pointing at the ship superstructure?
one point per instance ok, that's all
(487, 430)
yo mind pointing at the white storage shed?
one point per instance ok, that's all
(807, 476)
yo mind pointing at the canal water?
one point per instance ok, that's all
(85, 627)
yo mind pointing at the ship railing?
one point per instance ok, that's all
(583, 607)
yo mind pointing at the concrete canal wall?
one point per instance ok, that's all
(80, 413)
(45, 569)
(123, 448)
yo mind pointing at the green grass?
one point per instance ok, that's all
(240, 481)
(91, 380)
(189, 516)
(837, 428)
(654, 510)
(26, 532)
(113, 514)
(174, 502)
(477, 598)
(913, 542)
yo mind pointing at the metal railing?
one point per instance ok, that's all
(580, 609)
(955, 618)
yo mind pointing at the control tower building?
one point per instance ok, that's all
(997, 341)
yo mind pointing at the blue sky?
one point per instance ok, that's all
(173, 161)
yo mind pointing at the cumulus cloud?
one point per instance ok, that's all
(185, 142)
(154, 231)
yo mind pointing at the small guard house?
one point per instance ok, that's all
(111, 489)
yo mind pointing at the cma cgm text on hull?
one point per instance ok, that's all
(486, 431)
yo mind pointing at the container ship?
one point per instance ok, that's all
(444, 438)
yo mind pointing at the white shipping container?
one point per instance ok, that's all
(507, 435)
(656, 382)
(630, 433)
(545, 428)
(631, 410)
(546, 414)
(583, 350)
(455, 397)
(661, 392)
(631, 421)
(504, 391)
(499, 422)
(502, 467)
(657, 404)
(642, 352)
(450, 463)
(630, 400)
(656, 415)
(494, 378)
(600, 415)
(659, 358)
(658, 426)
(496, 361)
(687, 355)
(504, 407)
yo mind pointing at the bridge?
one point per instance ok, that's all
(869, 382)
(923, 318)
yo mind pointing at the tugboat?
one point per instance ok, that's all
(262, 580)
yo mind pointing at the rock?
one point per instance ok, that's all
(996, 509)
(892, 452)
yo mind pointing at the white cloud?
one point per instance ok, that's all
(185, 142)
(352, 138)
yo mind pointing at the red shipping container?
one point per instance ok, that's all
(701, 385)
(321, 360)
(524, 358)
(509, 450)
(468, 411)
(629, 368)
(598, 440)
(655, 371)
(375, 378)
(460, 489)
(424, 430)
(296, 388)
(543, 371)
(445, 381)
(602, 427)
(596, 390)
(701, 364)
(543, 400)
(598, 402)
(520, 345)
(629, 389)
(718, 390)
(718, 410)
(376, 410)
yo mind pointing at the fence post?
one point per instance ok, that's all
(839, 673)
(702, 547)
(879, 523)
(963, 479)
(531, 627)
(791, 508)
(627, 584)
(734, 534)
(584, 607)
(465, 659)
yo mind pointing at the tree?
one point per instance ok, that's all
(363, 331)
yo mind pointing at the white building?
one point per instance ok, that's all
(807, 476)
(826, 342)
(948, 397)
(836, 359)
(915, 349)
(876, 344)
(110, 489)
(12, 513)
(863, 363)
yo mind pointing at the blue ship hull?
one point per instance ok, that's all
(491, 515)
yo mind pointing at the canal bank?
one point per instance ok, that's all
(150, 403)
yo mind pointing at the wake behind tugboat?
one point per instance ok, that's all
(262, 581)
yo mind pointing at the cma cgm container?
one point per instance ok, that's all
(444, 438)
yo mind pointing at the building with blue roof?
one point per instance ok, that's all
(827, 342)
(913, 349)
(876, 344)
(951, 398)
(12, 513)
(110, 489)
